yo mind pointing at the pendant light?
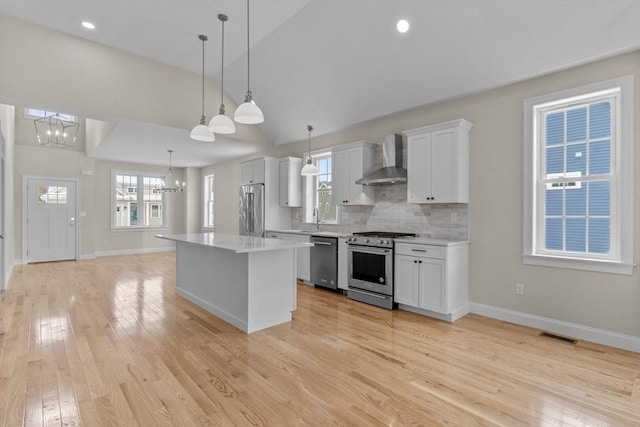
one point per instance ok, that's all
(167, 183)
(221, 123)
(248, 112)
(202, 132)
(309, 169)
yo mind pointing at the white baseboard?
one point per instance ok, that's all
(118, 252)
(135, 251)
(451, 317)
(573, 330)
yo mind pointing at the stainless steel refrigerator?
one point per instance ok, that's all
(252, 210)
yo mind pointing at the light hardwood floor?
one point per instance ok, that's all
(107, 342)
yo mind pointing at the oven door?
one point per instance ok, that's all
(371, 269)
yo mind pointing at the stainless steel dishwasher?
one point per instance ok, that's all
(324, 262)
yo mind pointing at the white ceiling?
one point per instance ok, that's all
(333, 63)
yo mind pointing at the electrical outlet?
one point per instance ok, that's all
(519, 289)
(454, 216)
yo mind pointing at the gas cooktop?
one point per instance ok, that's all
(384, 234)
(380, 239)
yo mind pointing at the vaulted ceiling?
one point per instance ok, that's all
(335, 64)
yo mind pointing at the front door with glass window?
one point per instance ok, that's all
(51, 220)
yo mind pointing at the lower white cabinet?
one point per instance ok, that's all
(343, 265)
(303, 255)
(432, 279)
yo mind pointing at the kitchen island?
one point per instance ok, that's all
(249, 282)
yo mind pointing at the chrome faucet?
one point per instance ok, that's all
(316, 212)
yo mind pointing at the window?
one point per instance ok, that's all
(318, 192)
(578, 185)
(134, 203)
(33, 113)
(209, 198)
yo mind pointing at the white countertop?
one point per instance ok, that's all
(430, 241)
(313, 233)
(234, 243)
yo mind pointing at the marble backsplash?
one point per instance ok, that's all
(391, 212)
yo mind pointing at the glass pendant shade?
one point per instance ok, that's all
(248, 113)
(222, 124)
(202, 133)
(309, 169)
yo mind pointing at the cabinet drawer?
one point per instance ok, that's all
(438, 252)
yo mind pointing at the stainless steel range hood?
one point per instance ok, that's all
(392, 171)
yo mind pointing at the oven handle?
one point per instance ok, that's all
(369, 249)
(368, 293)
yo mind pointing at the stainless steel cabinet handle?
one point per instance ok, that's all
(418, 250)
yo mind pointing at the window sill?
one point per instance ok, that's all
(119, 229)
(579, 264)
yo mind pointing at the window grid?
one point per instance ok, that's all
(209, 201)
(573, 240)
(130, 211)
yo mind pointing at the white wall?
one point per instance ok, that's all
(7, 121)
(603, 301)
(88, 79)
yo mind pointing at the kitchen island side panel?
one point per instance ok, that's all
(272, 288)
(214, 279)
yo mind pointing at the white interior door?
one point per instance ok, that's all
(51, 220)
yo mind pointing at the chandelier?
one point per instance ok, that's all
(56, 131)
(168, 185)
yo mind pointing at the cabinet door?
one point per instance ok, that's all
(356, 163)
(406, 280)
(284, 183)
(343, 268)
(419, 167)
(340, 176)
(433, 284)
(252, 172)
(444, 167)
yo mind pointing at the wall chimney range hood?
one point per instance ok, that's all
(391, 171)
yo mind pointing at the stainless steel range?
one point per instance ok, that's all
(371, 267)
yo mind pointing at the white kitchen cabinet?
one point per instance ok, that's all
(303, 255)
(438, 163)
(343, 264)
(432, 279)
(252, 172)
(290, 182)
(349, 163)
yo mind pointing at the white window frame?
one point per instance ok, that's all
(311, 192)
(36, 113)
(208, 201)
(620, 259)
(140, 185)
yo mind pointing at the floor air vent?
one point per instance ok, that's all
(558, 337)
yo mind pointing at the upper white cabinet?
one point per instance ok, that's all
(438, 163)
(290, 182)
(348, 164)
(252, 172)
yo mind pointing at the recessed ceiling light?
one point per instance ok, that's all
(402, 25)
(88, 25)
